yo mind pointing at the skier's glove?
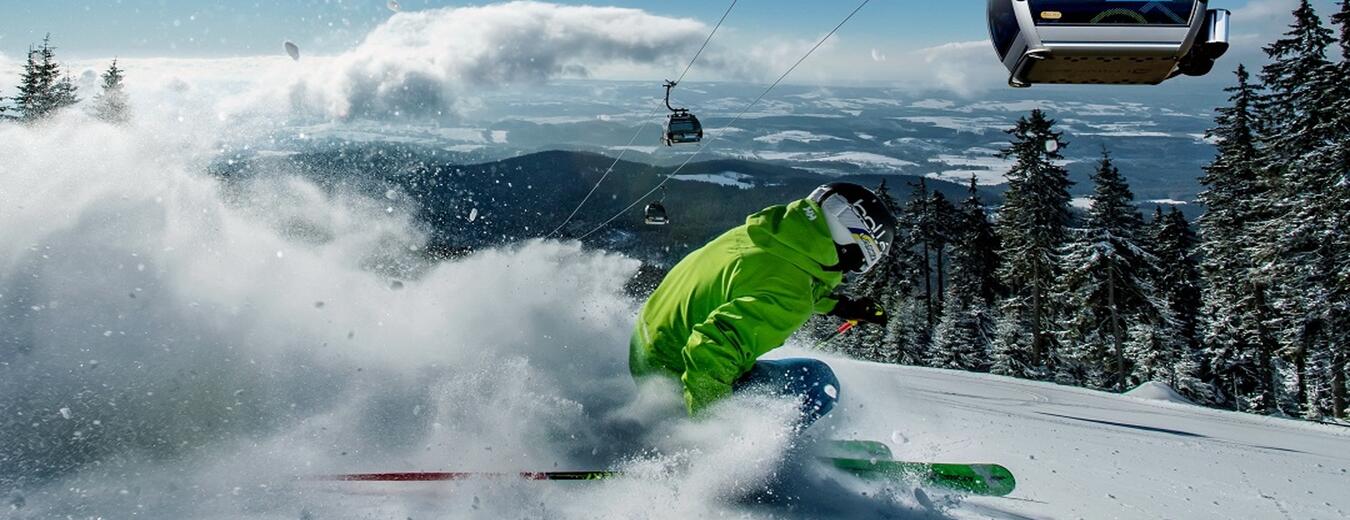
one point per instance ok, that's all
(862, 309)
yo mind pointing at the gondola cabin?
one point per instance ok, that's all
(655, 215)
(682, 127)
(1106, 42)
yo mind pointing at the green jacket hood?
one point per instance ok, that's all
(798, 234)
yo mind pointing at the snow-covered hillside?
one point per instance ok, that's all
(1084, 454)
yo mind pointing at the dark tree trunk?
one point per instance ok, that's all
(1037, 340)
(1338, 384)
(1267, 345)
(941, 279)
(1115, 335)
(927, 287)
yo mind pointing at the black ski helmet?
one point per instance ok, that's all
(862, 227)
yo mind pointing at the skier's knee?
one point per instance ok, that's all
(822, 387)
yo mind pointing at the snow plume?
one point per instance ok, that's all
(182, 346)
(422, 62)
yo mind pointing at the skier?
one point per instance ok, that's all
(743, 294)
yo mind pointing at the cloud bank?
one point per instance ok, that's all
(424, 61)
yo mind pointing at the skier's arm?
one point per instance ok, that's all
(724, 346)
(825, 304)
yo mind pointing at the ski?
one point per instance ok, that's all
(872, 460)
(976, 479)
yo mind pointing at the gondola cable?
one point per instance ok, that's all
(643, 126)
(714, 137)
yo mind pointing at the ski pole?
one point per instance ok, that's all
(432, 476)
(838, 332)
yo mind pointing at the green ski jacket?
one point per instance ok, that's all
(734, 299)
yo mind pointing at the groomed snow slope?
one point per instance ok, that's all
(1085, 454)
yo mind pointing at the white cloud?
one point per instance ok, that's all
(9, 72)
(964, 67)
(425, 61)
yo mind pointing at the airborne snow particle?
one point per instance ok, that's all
(65, 413)
(473, 214)
(393, 6)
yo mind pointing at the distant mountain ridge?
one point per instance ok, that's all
(1156, 135)
(467, 206)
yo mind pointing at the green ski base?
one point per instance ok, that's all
(871, 460)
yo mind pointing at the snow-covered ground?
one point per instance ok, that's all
(734, 179)
(1084, 454)
(1076, 454)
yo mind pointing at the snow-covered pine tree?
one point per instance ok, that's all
(945, 227)
(43, 89)
(1238, 345)
(34, 87)
(1339, 328)
(1294, 246)
(111, 104)
(1108, 281)
(1178, 286)
(1173, 242)
(964, 335)
(1032, 226)
(923, 230)
(907, 336)
(64, 93)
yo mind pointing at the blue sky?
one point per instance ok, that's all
(197, 28)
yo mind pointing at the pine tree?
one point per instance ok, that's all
(64, 93)
(1239, 347)
(963, 338)
(1032, 226)
(34, 85)
(43, 89)
(1175, 341)
(1107, 280)
(1295, 245)
(111, 104)
(1339, 157)
(922, 229)
(1174, 244)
